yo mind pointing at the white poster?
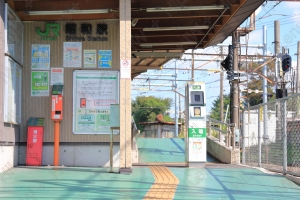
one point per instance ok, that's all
(93, 93)
(72, 54)
(57, 76)
(40, 57)
(126, 68)
(89, 58)
(197, 149)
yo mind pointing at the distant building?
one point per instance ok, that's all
(159, 128)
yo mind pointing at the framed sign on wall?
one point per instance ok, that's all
(93, 93)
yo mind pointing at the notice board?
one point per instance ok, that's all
(93, 93)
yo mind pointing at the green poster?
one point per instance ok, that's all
(40, 83)
(102, 122)
(197, 132)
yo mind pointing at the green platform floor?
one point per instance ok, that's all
(233, 183)
(163, 150)
(73, 183)
(212, 183)
(216, 181)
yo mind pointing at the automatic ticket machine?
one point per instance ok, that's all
(56, 116)
(57, 102)
(195, 106)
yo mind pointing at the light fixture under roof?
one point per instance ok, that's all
(64, 12)
(175, 28)
(185, 8)
(167, 44)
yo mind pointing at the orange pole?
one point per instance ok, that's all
(56, 142)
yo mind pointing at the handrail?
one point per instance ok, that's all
(230, 138)
(214, 120)
(225, 132)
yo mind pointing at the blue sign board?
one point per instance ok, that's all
(104, 58)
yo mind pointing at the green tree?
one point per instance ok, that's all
(215, 111)
(145, 109)
(255, 83)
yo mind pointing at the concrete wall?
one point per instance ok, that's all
(77, 155)
(221, 152)
(8, 157)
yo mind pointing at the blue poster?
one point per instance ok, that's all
(104, 58)
(40, 57)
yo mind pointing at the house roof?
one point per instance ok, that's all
(160, 120)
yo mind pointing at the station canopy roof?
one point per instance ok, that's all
(161, 30)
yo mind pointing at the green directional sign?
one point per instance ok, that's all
(197, 132)
(196, 87)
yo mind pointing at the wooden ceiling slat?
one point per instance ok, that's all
(168, 39)
(174, 47)
(25, 17)
(171, 23)
(142, 35)
(160, 3)
(65, 5)
(11, 4)
(224, 20)
(184, 14)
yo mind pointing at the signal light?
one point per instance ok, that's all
(286, 62)
(227, 64)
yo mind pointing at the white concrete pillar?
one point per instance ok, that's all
(125, 86)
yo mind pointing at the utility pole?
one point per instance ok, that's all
(277, 73)
(180, 110)
(298, 69)
(234, 117)
(221, 90)
(193, 66)
(265, 86)
(277, 51)
(176, 110)
(221, 96)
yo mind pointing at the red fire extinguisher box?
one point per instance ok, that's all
(35, 135)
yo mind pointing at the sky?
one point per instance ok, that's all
(288, 14)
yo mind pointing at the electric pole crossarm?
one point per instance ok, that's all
(264, 64)
(269, 80)
(207, 62)
(179, 93)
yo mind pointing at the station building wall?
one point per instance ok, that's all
(41, 106)
(75, 149)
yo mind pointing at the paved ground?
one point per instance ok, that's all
(216, 181)
(74, 183)
(161, 150)
(96, 183)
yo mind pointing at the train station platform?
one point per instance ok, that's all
(163, 150)
(147, 182)
(154, 181)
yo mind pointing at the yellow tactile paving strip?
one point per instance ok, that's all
(165, 184)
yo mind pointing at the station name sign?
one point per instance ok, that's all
(53, 29)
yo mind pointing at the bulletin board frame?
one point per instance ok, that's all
(93, 93)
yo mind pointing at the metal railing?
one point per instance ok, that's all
(222, 131)
(271, 139)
